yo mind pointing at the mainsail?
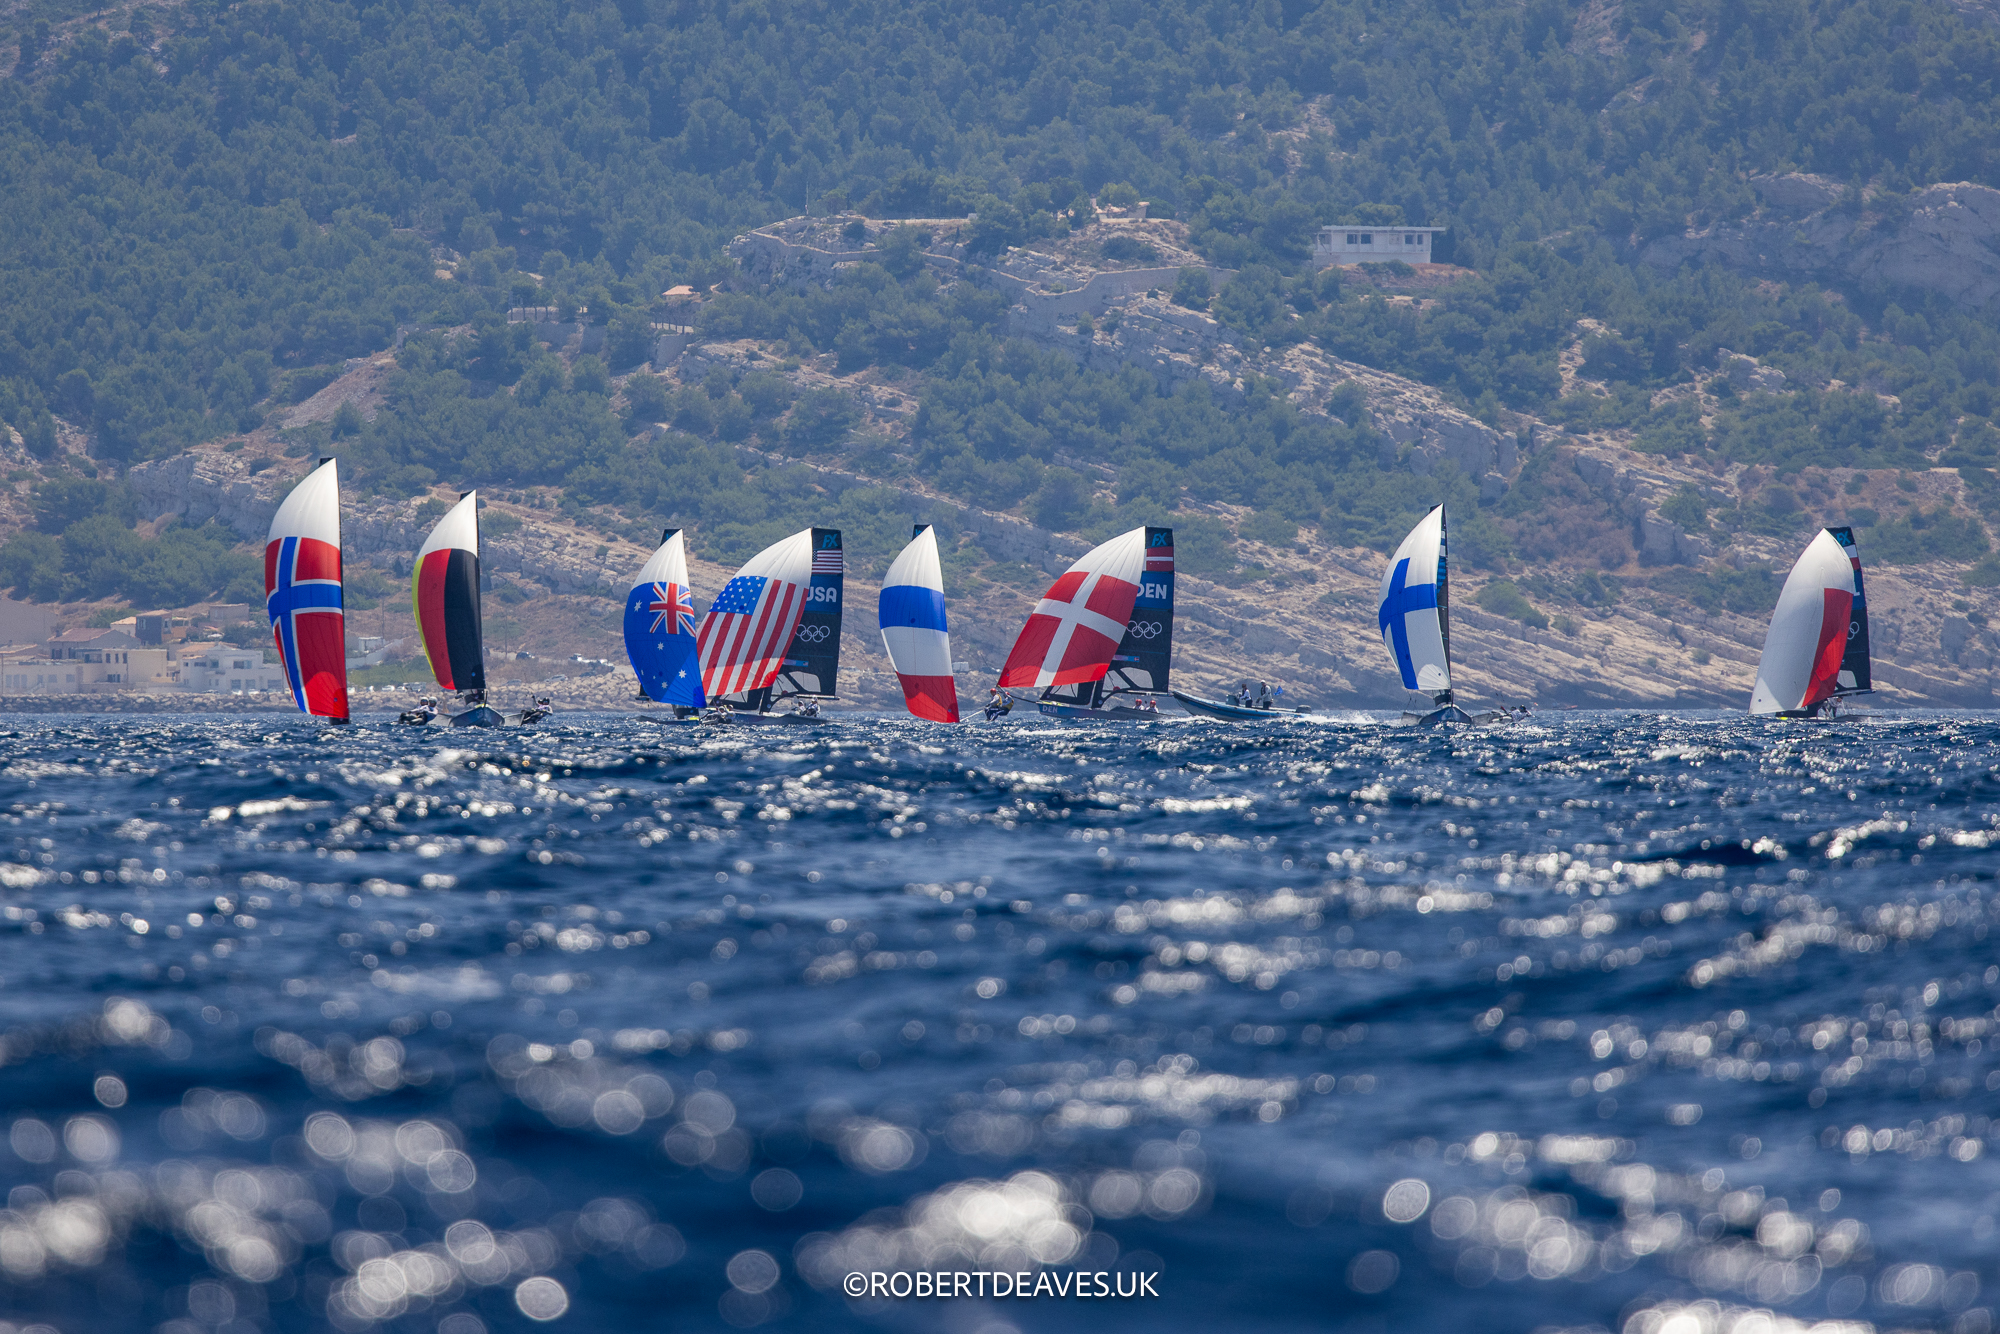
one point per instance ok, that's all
(1081, 622)
(1809, 635)
(911, 610)
(1145, 655)
(660, 627)
(1415, 616)
(743, 640)
(1856, 675)
(812, 658)
(444, 588)
(302, 593)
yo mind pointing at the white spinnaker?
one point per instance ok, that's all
(459, 528)
(668, 564)
(1811, 616)
(312, 510)
(1410, 618)
(918, 645)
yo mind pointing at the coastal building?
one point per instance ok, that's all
(37, 676)
(1357, 243)
(224, 670)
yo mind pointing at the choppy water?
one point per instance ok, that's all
(1638, 1022)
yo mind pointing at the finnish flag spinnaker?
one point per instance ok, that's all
(1416, 606)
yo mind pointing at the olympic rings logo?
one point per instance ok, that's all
(814, 634)
(1145, 629)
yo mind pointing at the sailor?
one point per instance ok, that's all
(1148, 705)
(1264, 701)
(425, 711)
(998, 704)
(808, 708)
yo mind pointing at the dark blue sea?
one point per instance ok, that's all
(1657, 1024)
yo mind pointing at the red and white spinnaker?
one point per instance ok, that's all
(1808, 635)
(1075, 629)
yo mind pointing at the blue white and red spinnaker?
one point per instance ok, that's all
(911, 611)
(302, 593)
(743, 637)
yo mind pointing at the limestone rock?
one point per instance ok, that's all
(1944, 238)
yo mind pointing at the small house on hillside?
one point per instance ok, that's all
(1356, 243)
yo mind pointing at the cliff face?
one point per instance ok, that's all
(1945, 238)
(205, 484)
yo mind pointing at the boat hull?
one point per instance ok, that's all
(774, 719)
(481, 715)
(1074, 713)
(1452, 716)
(1232, 713)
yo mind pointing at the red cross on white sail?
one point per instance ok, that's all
(1076, 626)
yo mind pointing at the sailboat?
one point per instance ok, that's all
(911, 611)
(302, 593)
(1816, 651)
(660, 629)
(1415, 620)
(1105, 628)
(444, 589)
(773, 633)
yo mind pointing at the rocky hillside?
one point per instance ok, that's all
(1300, 613)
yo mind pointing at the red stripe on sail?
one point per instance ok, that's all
(315, 560)
(322, 641)
(1113, 598)
(756, 646)
(430, 614)
(1024, 664)
(1064, 589)
(931, 697)
(1086, 657)
(773, 638)
(1832, 646)
(731, 664)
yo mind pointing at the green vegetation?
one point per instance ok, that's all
(1503, 597)
(1688, 508)
(1918, 537)
(1748, 592)
(208, 215)
(83, 546)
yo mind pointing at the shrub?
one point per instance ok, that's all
(1918, 537)
(1503, 598)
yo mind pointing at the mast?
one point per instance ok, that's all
(1443, 697)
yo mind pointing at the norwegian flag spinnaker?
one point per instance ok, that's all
(302, 593)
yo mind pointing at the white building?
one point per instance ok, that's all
(38, 676)
(220, 669)
(1354, 243)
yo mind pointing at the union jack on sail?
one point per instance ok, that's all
(302, 593)
(671, 600)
